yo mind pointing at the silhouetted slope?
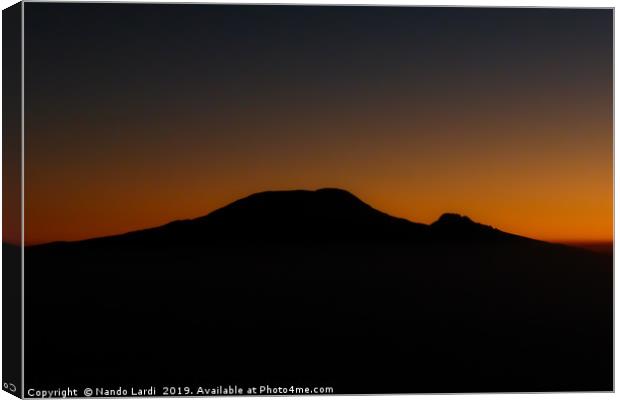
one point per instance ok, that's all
(318, 288)
(461, 228)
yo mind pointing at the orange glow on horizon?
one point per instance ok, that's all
(535, 186)
(101, 214)
(552, 184)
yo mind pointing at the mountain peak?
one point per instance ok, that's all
(318, 214)
(324, 197)
(299, 204)
(453, 219)
(336, 192)
(452, 225)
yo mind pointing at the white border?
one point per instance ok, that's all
(447, 3)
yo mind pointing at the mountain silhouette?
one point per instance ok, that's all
(327, 214)
(318, 288)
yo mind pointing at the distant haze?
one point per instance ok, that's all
(137, 115)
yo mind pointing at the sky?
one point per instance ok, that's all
(137, 115)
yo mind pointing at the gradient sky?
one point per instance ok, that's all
(137, 115)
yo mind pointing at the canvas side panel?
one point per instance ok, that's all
(12, 70)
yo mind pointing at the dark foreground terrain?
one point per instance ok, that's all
(319, 289)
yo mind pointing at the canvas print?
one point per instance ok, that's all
(242, 199)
